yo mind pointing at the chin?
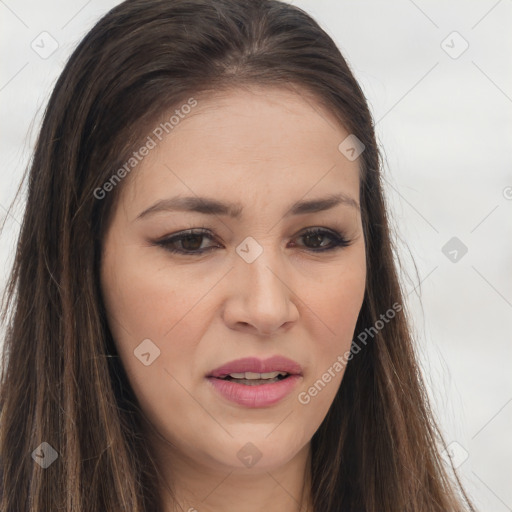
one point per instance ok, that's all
(267, 450)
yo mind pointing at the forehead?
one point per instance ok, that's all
(268, 141)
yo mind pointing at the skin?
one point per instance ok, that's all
(265, 148)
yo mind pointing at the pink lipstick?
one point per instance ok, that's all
(254, 382)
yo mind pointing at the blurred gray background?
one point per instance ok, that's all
(438, 77)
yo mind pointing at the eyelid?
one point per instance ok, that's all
(339, 240)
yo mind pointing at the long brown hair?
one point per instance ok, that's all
(378, 447)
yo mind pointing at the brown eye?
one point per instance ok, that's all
(190, 242)
(313, 240)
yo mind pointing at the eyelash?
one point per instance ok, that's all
(339, 241)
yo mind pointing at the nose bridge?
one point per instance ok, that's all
(263, 294)
(260, 268)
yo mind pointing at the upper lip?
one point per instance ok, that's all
(255, 365)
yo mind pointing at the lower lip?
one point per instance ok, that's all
(261, 395)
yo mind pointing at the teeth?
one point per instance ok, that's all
(255, 376)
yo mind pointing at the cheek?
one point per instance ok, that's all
(336, 301)
(147, 303)
(339, 304)
(336, 304)
(144, 303)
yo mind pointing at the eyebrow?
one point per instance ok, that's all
(210, 206)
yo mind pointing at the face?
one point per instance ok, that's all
(273, 281)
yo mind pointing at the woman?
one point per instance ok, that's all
(267, 369)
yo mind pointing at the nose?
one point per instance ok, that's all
(261, 297)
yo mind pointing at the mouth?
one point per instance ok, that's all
(252, 382)
(255, 379)
(263, 371)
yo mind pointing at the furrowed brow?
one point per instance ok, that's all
(210, 206)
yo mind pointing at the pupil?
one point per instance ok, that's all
(195, 246)
(316, 236)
